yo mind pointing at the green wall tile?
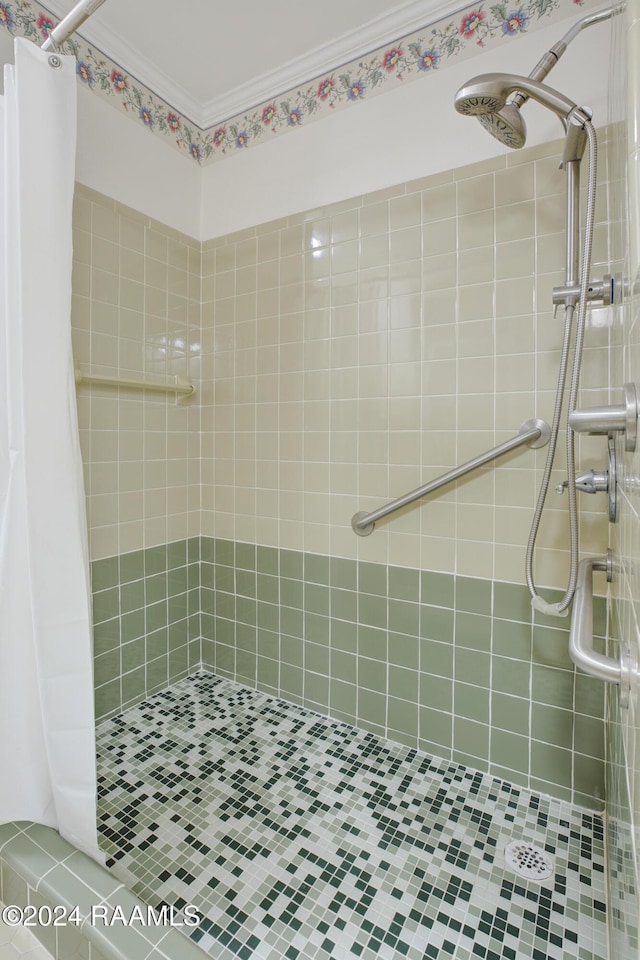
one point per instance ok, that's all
(511, 601)
(552, 725)
(296, 625)
(473, 595)
(550, 763)
(509, 750)
(372, 579)
(473, 631)
(437, 589)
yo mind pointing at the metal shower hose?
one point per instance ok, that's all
(538, 602)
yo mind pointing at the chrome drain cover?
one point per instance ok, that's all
(528, 861)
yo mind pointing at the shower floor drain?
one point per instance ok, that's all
(528, 861)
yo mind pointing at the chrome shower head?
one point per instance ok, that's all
(506, 125)
(488, 93)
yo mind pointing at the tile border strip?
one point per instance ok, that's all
(453, 37)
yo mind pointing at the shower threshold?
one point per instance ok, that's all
(296, 836)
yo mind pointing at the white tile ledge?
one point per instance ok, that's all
(37, 864)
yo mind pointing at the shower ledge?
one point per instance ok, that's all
(39, 868)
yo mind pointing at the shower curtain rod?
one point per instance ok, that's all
(69, 24)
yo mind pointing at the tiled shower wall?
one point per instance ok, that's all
(623, 711)
(136, 315)
(345, 356)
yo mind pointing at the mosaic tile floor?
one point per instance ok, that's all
(299, 837)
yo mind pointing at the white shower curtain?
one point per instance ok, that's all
(47, 734)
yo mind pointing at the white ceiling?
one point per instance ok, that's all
(212, 59)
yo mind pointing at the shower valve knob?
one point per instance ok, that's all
(589, 481)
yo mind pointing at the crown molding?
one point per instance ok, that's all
(300, 70)
(325, 58)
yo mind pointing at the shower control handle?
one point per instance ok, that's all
(618, 418)
(589, 481)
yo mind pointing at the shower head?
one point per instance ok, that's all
(488, 93)
(506, 125)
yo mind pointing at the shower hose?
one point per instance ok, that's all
(561, 608)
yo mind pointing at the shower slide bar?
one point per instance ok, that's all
(183, 388)
(533, 433)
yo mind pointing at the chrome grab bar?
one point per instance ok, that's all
(534, 433)
(581, 631)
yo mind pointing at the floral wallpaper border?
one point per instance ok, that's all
(413, 56)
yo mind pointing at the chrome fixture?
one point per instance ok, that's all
(600, 481)
(533, 433)
(489, 95)
(581, 650)
(506, 122)
(69, 24)
(619, 418)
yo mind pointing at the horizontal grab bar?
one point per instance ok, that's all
(181, 385)
(581, 631)
(534, 433)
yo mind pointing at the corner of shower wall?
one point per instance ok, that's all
(623, 760)
(136, 314)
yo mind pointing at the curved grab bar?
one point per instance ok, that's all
(581, 630)
(535, 433)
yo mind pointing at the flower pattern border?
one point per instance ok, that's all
(412, 56)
